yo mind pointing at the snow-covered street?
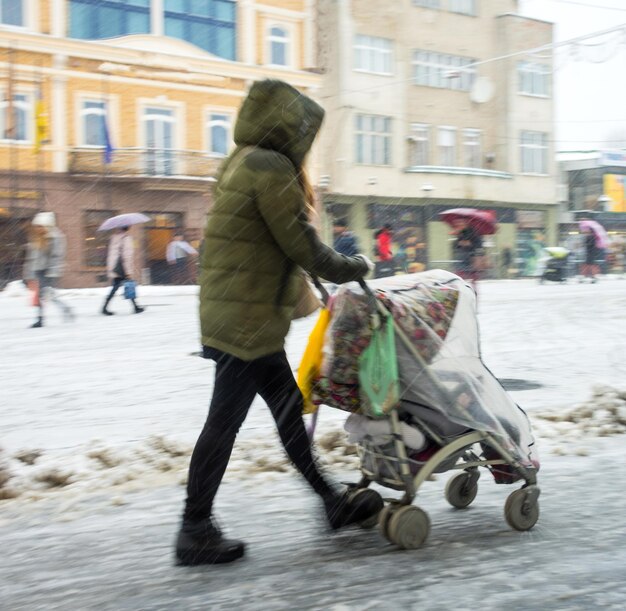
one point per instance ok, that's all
(107, 408)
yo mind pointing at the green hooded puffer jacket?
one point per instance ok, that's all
(257, 236)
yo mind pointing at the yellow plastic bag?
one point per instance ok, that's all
(312, 361)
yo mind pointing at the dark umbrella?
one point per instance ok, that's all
(482, 221)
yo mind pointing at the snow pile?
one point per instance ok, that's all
(602, 415)
(32, 474)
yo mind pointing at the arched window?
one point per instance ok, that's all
(93, 114)
(22, 118)
(279, 46)
(218, 133)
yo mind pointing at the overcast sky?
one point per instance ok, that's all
(590, 96)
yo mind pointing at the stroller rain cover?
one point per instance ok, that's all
(436, 312)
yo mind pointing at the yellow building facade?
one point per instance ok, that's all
(135, 102)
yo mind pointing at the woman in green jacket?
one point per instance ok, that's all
(258, 240)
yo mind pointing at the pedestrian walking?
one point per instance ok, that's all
(507, 260)
(44, 264)
(590, 267)
(467, 248)
(178, 254)
(384, 253)
(258, 241)
(121, 267)
(345, 241)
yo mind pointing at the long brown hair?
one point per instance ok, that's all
(309, 194)
(38, 236)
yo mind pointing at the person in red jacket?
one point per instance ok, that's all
(384, 254)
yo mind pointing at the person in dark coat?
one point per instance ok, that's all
(592, 253)
(345, 241)
(258, 243)
(467, 246)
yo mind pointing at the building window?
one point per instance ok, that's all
(534, 152)
(96, 242)
(373, 54)
(465, 7)
(419, 144)
(159, 136)
(447, 146)
(472, 153)
(97, 19)
(373, 140)
(93, 115)
(19, 129)
(278, 42)
(218, 133)
(208, 24)
(12, 12)
(426, 3)
(533, 79)
(441, 70)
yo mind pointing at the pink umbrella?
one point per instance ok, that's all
(483, 221)
(602, 238)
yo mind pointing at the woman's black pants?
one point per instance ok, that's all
(237, 382)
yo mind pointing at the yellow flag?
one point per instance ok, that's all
(41, 122)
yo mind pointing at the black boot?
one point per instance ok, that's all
(107, 312)
(203, 543)
(38, 323)
(139, 309)
(352, 507)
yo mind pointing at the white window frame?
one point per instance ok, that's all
(111, 107)
(463, 7)
(443, 149)
(30, 15)
(28, 105)
(472, 148)
(209, 122)
(533, 79)
(435, 4)
(376, 144)
(288, 41)
(419, 153)
(536, 151)
(372, 52)
(83, 112)
(442, 70)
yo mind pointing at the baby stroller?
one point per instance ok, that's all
(554, 264)
(452, 413)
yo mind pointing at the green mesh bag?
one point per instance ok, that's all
(378, 371)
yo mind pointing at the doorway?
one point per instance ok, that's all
(158, 234)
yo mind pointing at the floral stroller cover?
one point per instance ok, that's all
(443, 372)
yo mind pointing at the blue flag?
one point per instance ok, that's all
(108, 147)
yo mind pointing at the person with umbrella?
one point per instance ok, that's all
(469, 225)
(596, 241)
(121, 256)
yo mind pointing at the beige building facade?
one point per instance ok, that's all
(138, 100)
(435, 104)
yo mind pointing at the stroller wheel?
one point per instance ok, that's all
(409, 527)
(461, 490)
(520, 512)
(385, 516)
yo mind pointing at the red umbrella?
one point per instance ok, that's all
(482, 221)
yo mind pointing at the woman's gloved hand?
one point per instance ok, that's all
(368, 262)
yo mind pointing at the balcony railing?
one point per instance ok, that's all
(145, 163)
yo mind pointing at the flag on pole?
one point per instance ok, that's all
(108, 147)
(41, 121)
